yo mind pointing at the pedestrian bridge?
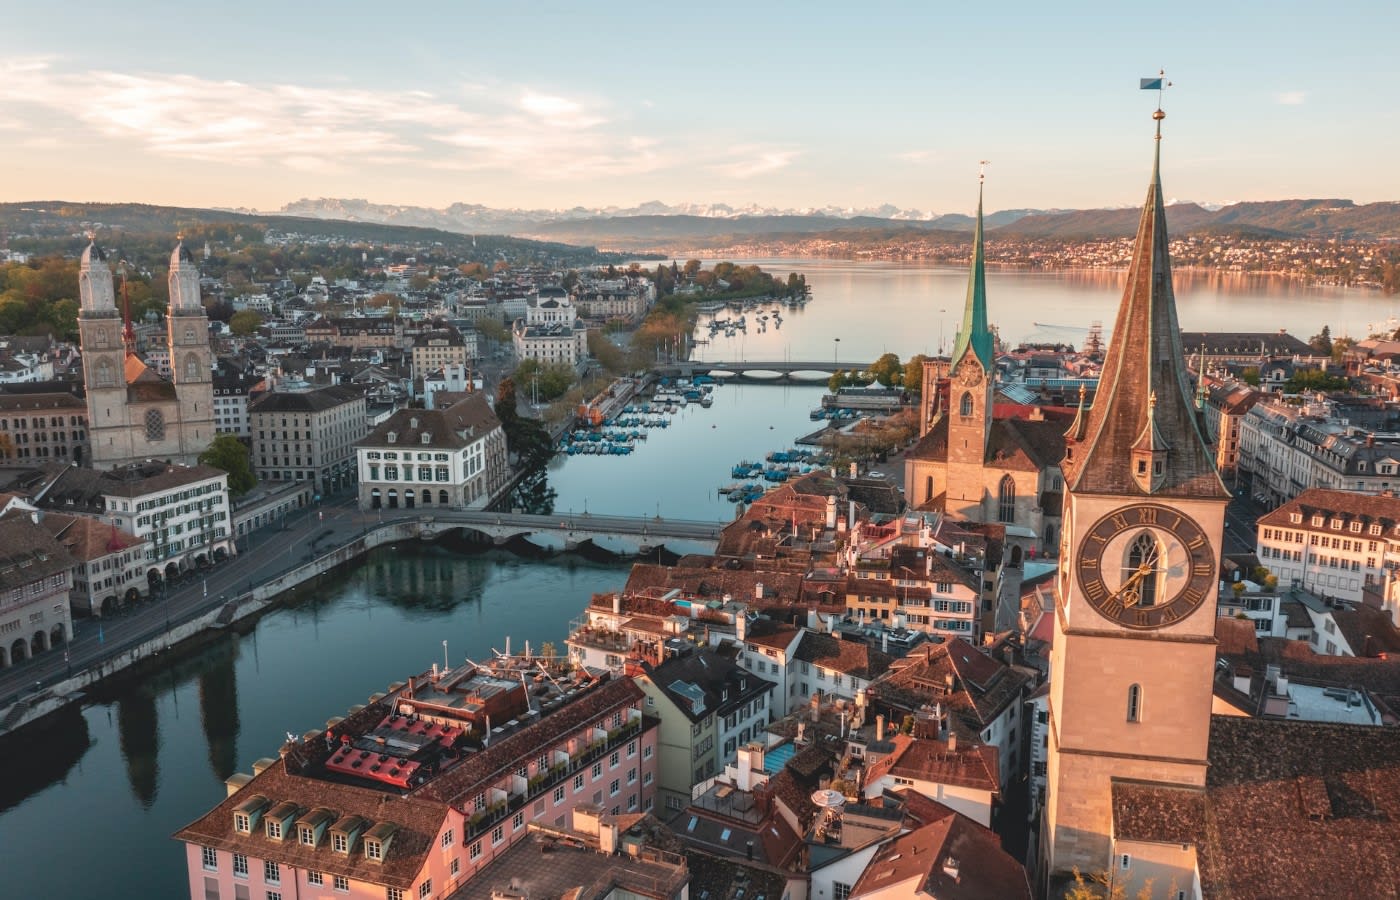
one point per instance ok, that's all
(761, 370)
(625, 535)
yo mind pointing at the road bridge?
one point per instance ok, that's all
(619, 534)
(761, 370)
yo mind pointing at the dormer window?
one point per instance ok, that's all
(374, 850)
(340, 842)
(393, 437)
(1355, 527)
(1375, 528)
(1336, 524)
(307, 835)
(1317, 521)
(427, 437)
(1295, 518)
(241, 823)
(274, 829)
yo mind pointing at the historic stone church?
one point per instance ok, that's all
(976, 458)
(1146, 788)
(134, 413)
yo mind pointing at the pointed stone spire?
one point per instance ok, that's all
(184, 279)
(974, 335)
(1143, 435)
(1081, 418)
(95, 288)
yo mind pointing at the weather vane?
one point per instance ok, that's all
(1158, 84)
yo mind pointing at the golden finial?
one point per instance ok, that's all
(982, 170)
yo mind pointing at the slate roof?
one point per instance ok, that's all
(1348, 506)
(1144, 385)
(458, 426)
(28, 553)
(976, 688)
(953, 858)
(1013, 443)
(712, 674)
(1290, 809)
(854, 658)
(317, 400)
(926, 759)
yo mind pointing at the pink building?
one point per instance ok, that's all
(414, 795)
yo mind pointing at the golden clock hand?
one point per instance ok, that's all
(1125, 586)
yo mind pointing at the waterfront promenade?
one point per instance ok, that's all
(271, 554)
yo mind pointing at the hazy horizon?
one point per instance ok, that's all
(554, 105)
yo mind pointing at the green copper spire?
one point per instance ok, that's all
(974, 334)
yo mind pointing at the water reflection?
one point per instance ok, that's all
(218, 707)
(138, 730)
(42, 756)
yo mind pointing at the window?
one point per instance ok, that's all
(315, 878)
(631, 749)
(646, 752)
(308, 835)
(578, 782)
(518, 822)
(614, 788)
(631, 776)
(597, 770)
(393, 893)
(274, 829)
(614, 760)
(1006, 500)
(1143, 572)
(274, 895)
(241, 823)
(559, 794)
(1134, 703)
(374, 850)
(840, 891)
(211, 858)
(340, 843)
(1124, 862)
(272, 873)
(456, 866)
(342, 884)
(497, 835)
(240, 865)
(447, 839)
(965, 404)
(425, 888)
(155, 425)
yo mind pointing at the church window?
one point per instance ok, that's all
(104, 373)
(191, 367)
(928, 487)
(1144, 568)
(965, 405)
(99, 337)
(1134, 703)
(1006, 500)
(155, 425)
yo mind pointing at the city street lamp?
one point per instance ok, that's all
(835, 350)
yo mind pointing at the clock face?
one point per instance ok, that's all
(1146, 566)
(969, 373)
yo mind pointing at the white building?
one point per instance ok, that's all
(550, 331)
(1286, 450)
(453, 458)
(1331, 542)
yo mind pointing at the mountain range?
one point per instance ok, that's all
(657, 226)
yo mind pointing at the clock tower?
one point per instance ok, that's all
(972, 374)
(1134, 645)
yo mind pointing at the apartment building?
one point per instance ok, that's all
(453, 458)
(307, 435)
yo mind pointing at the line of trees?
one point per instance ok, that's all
(887, 371)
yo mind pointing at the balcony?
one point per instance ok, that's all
(543, 782)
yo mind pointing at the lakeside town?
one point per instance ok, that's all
(889, 676)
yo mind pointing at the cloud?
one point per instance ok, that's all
(751, 161)
(916, 156)
(1291, 98)
(326, 129)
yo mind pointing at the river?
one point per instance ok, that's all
(118, 777)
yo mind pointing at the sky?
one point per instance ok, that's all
(789, 105)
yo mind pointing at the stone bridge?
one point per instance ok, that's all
(626, 535)
(761, 370)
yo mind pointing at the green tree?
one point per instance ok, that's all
(1250, 374)
(914, 374)
(492, 329)
(1314, 380)
(244, 322)
(836, 381)
(1322, 341)
(229, 454)
(546, 381)
(887, 370)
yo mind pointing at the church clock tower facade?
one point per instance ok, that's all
(191, 367)
(972, 378)
(1134, 647)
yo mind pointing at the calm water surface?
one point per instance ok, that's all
(87, 808)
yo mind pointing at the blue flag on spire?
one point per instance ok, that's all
(1150, 84)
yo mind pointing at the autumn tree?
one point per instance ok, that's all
(887, 370)
(914, 374)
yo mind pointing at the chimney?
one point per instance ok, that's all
(879, 728)
(814, 622)
(758, 591)
(831, 512)
(884, 641)
(952, 742)
(741, 624)
(617, 604)
(851, 515)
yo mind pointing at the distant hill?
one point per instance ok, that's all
(1322, 219)
(64, 223)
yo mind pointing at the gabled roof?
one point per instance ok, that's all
(925, 759)
(953, 858)
(1145, 378)
(973, 686)
(854, 658)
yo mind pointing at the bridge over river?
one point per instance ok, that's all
(619, 534)
(761, 370)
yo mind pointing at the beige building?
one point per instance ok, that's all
(42, 427)
(133, 412)
(110, 565)
(307, 435)
(36, 573)
(1333, 543)
(453, 458)
(432, 350)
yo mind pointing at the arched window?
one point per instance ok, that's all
(155, 425)
(104, 373)
(442, 498)
(1144, 568)
(1006, 500)
(928, 487)
(965, 404)
(191, 367)
(1134, 703)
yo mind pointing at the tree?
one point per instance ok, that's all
(887, 370)
(836, 381)
(914, 374)
(1322, 341)
(229, 454)
(1250, 374)
(492, 329)
(244, 322)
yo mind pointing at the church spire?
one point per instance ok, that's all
(974, 334)
(1143, 434)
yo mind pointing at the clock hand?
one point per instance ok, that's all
(1142, 571)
